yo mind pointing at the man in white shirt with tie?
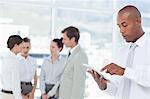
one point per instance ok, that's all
(131, 69)
(10, 69)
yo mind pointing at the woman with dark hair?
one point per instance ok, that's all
(10, 69)
(52, 70)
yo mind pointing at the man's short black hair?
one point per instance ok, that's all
(26, 39)
(71, 32)
(12, 40)
(131, 7)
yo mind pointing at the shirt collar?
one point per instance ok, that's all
(20, 56)
(59, 57)
(141, 40)
(71, 50)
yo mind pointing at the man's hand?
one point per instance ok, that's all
(113, 69)
(102, 83)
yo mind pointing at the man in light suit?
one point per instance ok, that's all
(72, 83)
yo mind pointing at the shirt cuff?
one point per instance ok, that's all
(108, 89)
(129, 73)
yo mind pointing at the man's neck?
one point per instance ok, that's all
(24, 55)
(73, 46)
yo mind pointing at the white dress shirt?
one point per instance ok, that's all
(139, 73)
(10, 74)
(51, 72)
(27, 68)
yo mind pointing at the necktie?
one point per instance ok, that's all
(127, 82)
(69, 54)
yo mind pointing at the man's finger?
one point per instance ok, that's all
(104, 68)
(91, 72)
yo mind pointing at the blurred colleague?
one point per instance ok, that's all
(27, 71)
(72, 83)
(10, 69)
(131, 69)
(52, 70)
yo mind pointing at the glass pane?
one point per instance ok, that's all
(85, 4)
(27, 19)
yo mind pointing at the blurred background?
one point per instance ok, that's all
(43, 20)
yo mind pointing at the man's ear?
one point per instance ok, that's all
(73, 39)
(138, 21)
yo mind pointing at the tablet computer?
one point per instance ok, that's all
(103, 74)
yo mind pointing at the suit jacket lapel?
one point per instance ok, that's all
(73, 54)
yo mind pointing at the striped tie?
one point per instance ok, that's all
(127, 82)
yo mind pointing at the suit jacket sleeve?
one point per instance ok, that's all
(79, 76)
